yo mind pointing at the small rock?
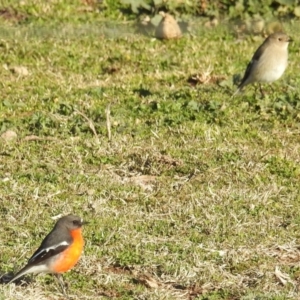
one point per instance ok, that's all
(168, 28)
(20, 70)
(257, 25)
(212, 23)
(9, 135)
(274, 27)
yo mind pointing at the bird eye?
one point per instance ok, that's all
(76, 223)
(280, 39)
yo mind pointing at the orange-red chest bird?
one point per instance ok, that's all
(59, 251)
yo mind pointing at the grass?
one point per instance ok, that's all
(192, 195)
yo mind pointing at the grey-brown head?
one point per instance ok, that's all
(71, 222)
(279, 38)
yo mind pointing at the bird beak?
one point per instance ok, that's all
(83, 222)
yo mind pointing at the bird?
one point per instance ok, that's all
(59, 251)
(268, 62)
(168, 28)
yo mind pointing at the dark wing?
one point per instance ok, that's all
(253, 61)
(42, 253)
(55, 242)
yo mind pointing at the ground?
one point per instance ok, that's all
(190, 193)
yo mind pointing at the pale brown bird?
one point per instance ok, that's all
(268, 62)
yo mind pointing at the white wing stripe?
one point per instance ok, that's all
(64, 243)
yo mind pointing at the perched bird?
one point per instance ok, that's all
(59, 251)
(268, 62)
(168, 28)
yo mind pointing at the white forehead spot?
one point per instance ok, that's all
(56, 217)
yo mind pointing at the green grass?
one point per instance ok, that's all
(196, 194)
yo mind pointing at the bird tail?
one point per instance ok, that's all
(30, 269)
(240, 87)
(19, 274)
(236, 92)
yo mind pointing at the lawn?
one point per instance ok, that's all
(190, 193)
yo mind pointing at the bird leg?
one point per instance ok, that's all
(261, 91)
(62, 285)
